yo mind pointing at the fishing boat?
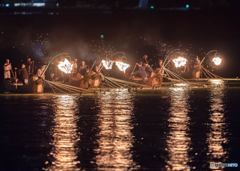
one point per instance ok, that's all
(94, 81)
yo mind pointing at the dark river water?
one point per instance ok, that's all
(176, 128)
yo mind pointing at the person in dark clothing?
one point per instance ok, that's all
(197, 69)
(145, 59)
(83, 68)
(24, 74)
(30, 66)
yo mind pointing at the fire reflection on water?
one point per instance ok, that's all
(216, 137)
(65, 136)
(115, 137)
(178, 140)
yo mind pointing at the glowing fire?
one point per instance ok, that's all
(65, 66)
(122, 66)
(179, 61)
(107, 64)
(217, 60)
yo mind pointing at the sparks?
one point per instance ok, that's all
(107, 64)
(65, 66)
(122, 66)
(217, 60)
(179, 61)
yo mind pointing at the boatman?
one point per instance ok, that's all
(156, 77)
(30, 66)
(145, 62)
(75, 66)
(38, 80)
(83, 68)
(7, 69)
(24, 74)
(161, 70)
(141, 72)
(197, 69)
(145, 59)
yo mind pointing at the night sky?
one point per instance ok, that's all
(42, 32)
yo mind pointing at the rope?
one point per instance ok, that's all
(126, 82)
(175, 75)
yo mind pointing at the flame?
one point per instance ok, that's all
(107, 64)
(179, 61)
(217, 60)
(65, 66)
(122, 66)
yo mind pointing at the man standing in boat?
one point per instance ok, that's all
(161, 70)
(156, 77)
(140, 72)
(39, 79)
(24, 74)
(83, 67)
(7, 69)
(145, 62)
(75, 66)
(197, 69)
(143, 70)
(145, 59)
(30, 66)
(84, 70)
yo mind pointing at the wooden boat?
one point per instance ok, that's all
(16, 87)
(97, 83)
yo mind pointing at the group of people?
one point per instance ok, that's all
(82, 75)
(87, 76)
(19, 75)
(144, 73)
(25, 75)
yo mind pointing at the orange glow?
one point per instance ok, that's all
(178, 139)
(115, 137)
(216, 137)
(65, 136)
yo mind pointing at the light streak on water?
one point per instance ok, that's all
(178, 140)
(115, 137)
(216, 138)
(65, 135)
(128, 131)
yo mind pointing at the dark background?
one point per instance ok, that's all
(82, 30)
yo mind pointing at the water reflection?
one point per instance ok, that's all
(178, 140)
(65, 136)
(216, 136)
(115, 137)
